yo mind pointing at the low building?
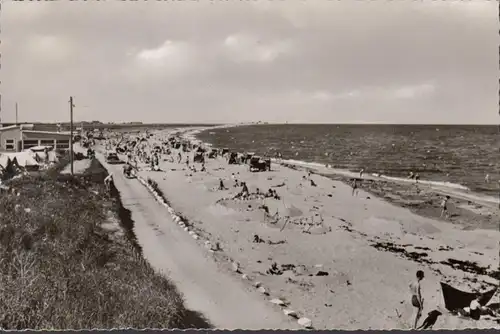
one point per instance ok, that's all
(16, 138)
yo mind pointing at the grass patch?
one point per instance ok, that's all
(60, 269)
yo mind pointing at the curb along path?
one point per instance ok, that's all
(303, 321)
(220, 297)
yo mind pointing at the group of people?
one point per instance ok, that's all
(473, 311)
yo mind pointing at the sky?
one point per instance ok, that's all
(308, 61)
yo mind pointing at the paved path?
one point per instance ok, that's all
(223, 299)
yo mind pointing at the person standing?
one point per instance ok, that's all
(354, 186)
(416, 297)
(107, 181)
(444, 207)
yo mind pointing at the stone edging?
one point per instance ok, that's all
(304, 322)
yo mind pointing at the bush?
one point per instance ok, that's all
(60, 269)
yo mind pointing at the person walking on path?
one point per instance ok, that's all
(107, 182)
(416, 297)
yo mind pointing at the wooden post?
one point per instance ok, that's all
(71, 133)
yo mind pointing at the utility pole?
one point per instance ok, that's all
(16, 114)
(71, 105)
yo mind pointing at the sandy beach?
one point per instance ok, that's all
(343, 261)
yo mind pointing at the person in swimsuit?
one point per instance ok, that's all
(444, 207)
(416, 296)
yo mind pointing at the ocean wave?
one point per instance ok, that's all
(445, 184)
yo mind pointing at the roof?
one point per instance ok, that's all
(4, 160)
(39, 148)
(48, 132)
(10, 127)
(23, 158)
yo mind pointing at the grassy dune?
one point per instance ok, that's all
(66, 264)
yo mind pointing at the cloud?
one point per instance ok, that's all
(249, 48)
(411, 92)
(51, 48)
(212, 61)
(170, 58)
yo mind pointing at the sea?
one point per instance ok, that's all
(458, 156)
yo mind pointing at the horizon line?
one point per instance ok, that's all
(137, 123)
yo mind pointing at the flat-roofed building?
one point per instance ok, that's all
(16, 138)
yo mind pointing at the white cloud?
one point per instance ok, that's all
(170, 55)
(410, 92)
(249, 48)
(50, 48)
(322, 95)
(171, 58)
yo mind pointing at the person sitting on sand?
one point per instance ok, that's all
(411, 176)
(276, 196)
(361, 173)
(444, 207)
(417, 177)
(474, 309)
(487, 178)
(221, 185)
(416, 297)
(244, 191)
(203, 169)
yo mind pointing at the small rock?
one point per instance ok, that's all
(27, 210)
(262, 290)
(277, 301)
(244, 276)
(236, 267)
(318, 265)
(257, 284)
(307, 323)
(191, 232)
(290, 313)
(321, 273)
(186, 229)
(195, 236)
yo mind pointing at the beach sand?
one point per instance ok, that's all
(343, 261)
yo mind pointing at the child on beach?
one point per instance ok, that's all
(416, 296)
(444, 207)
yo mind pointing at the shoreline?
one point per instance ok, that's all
(485, 192)
(406, 241)
(422, 198)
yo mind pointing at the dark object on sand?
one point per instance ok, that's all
(199, 157)
(431, 319)
(224, 151)
(248, 156)
(259, 165)
(274, 270)
(113, 159)
(455, 299)
(212, 154)
(321, 273)
(232, 158)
